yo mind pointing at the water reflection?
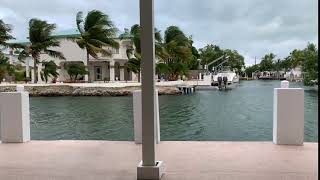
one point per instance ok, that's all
(242, 114)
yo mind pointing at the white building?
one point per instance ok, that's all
(294, 74)
(103, 69)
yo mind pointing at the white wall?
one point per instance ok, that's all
(73, 53)
(70, 50)
(122, 49)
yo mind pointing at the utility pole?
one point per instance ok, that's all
(255, 60)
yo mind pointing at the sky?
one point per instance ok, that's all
(252, 27)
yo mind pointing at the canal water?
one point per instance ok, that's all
(241, 114)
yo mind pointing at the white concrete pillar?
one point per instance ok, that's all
(133, 76)
(148, 168)
(39, 74)
(86, 76)
(137, 117)
(121, 74)
(200, 76)
(15, 116)
(27, 68)
(288, 116)
(140, 77)
(33, 75)
(11, 57)
(284, 84)
(112, 74)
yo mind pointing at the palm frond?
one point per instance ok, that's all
(5, 30)
(40, 31)
(105, 52)
(92, 51)
(79, 21)
(54, 54)
(23, 55)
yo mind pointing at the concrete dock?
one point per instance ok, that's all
(112, 160)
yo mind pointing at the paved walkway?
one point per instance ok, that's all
(107, 160)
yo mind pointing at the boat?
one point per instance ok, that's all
(228, 75)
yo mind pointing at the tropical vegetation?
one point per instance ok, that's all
(175, 52)
(41, 39)
(75, 70)
(134, 49)
(211, 52)
(49, 70)
(97, 33)
(6, 68)
(306, 58)
(5, 36)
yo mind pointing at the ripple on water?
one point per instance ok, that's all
(243, 114)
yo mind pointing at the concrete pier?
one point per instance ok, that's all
(187, 89)
(112, 160)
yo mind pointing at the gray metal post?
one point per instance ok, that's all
(148, 84)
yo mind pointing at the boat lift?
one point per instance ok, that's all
(216, 60)
(222, 81)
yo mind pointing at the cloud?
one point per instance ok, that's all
(253, 27)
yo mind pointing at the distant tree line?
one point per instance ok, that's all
(306, 58)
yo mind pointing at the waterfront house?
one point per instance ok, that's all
(268, 75)
(102, 69)
(294, 74)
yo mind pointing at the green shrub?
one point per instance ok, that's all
(19, 75)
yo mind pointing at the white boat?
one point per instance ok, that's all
(231, 76)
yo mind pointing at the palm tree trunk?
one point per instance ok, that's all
(35, 71)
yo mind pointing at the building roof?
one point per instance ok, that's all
(73, 33)
(66, 33)
(20, 41)
(69, 33)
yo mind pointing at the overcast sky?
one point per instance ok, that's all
(252, 27)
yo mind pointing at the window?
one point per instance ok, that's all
(98, 73)
(115, 51)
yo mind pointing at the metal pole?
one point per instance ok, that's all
(148, 83)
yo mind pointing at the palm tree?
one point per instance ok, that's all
(5, 67)
(176, 52)
(49, 70)
(40, 42)
(266, 63)
(5, 30)
(133, 65)
(162, 69)
(97, 33)
(134, 50)
(75, 69)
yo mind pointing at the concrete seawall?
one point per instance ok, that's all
(73, 90)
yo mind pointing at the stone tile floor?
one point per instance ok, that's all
(112, 160)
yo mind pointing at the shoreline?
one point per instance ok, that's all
(51, 90)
